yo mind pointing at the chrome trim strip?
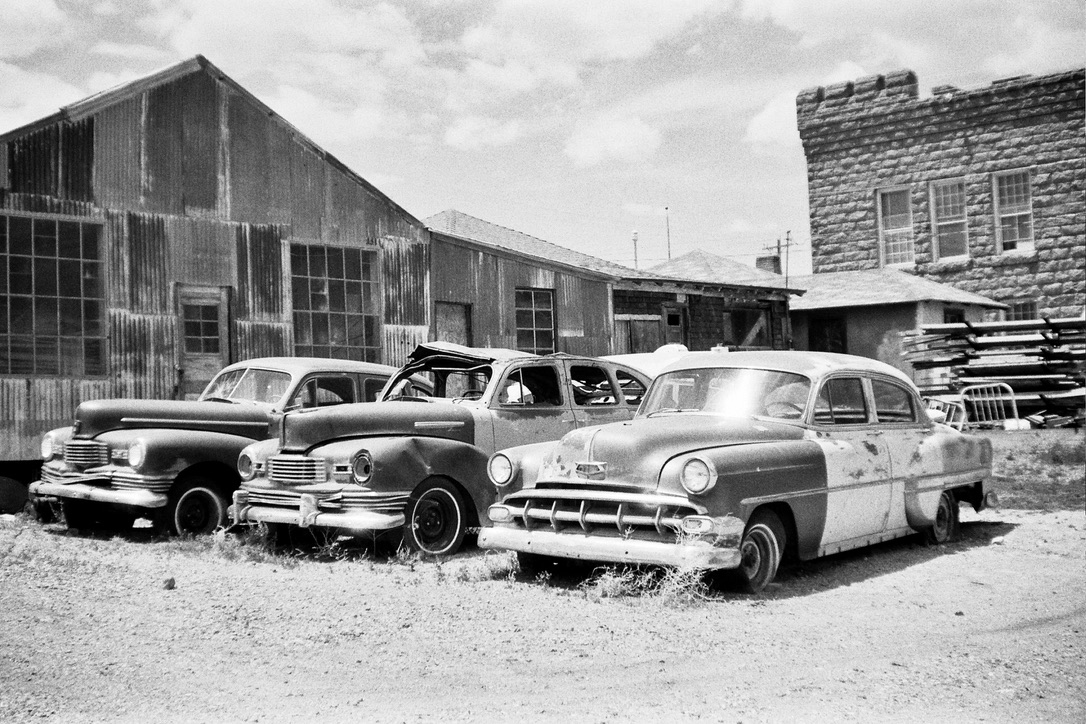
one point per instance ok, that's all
(438, 424)
(80, 491)
(605, 496)
(167, 422)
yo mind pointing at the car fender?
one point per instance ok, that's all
(174, 451)
(527, 461)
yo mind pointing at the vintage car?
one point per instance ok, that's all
(176, 461)
(736, 459)
(416, 463)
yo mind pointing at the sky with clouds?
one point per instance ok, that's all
(576, 121)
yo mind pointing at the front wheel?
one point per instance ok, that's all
(437, 519)
(761, 548)
(196, 507)
(945, 528)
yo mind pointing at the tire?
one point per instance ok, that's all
(196, 507)
(13, 495)
(945, 528)
(762, 547)
(437, 519)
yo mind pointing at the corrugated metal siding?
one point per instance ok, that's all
(77, 160)
(5, 179)
(400, 341)
(203, 251)
(118, 167)
(163, 150)
(262, 339)
(48, 205)
(260, 272)
(200, 142)
(30, 407)
(306, 194)
(34, 160)
(404, 276)
(149, 260)
(141, 350)
(249, 158)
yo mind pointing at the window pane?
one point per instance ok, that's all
(68, 241)
(896, 227)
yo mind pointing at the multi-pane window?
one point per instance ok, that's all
(535, 320)
(201, 325)
(948, 219)
(1022, 309)
(51, 297)
(1014, 212)
(896, 227)
(336, 308)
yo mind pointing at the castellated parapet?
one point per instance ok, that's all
(875, 136)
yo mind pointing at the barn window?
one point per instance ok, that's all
(1014, 212)
(335, 302)
(535, 320)
(895, 226)
(51, 297)
(201, 326)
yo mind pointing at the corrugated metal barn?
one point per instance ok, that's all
(153, 233)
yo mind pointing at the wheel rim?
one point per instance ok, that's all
(754, 551)
(197, 512)
(435, 521)
(941, 529)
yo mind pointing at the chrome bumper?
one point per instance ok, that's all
(693, 554)
(82, 491)
(307, 515)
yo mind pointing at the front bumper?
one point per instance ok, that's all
(691, 554)
(308, 515)
(47, 490)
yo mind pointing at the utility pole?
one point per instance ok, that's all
(787, 246)
(635, 247)
(667, 220)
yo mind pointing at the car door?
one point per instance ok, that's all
(858, 473)
(324, 390)
(531, 405)
(595, 394)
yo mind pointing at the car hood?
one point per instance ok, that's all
(634, 452)
(303, 430)
(97, 416)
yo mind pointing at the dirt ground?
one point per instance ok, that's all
(989, 628)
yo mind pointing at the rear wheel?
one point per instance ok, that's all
(196, 507)
(945, 528)
(13, 495)
(437, 519)
(761, 548)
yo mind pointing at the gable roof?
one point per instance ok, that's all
(877, 287)
(707, 267)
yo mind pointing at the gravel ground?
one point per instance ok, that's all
(126, 628)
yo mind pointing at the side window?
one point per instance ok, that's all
(841, 402)
(537, 386)
(893, 403)
(324, 392)
(591, 386)
(632, 389)
(371, 387)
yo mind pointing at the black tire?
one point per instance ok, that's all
(762, 548)
(945, 528)
(196, 507)
(13, 495)
(436, 519)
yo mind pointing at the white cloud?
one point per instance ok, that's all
(773, 130)
(26, 96)
(133, 51)
(476, 132)
(644, 210)
(618, 138)
(333, 125)
(30, 25)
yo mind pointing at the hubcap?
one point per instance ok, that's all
(195, 513)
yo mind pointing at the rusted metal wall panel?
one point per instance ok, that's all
(260, 273)
(149, 261)
(34, 162)
(279, 179)
(5, 180)
(163, 150)
(249, 158)
(400, 341)
(307, 180)
(29, 407)
(115, 243)
(405, 282)
(77, 160)
(118, 166)
(200, 142)
(143, 362)
(262, 339)
(203, 251)
(35, 204)
(569, 305)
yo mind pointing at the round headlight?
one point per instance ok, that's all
(698, 476)
(362, 467)
(500, 469)
(48, 446)
(137, 453)
(246, 469)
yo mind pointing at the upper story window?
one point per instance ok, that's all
(336, 308)
(52, 297)
(895, 226)
(535, 320)
(948, 219)
(1020, 309)
(1013, 212)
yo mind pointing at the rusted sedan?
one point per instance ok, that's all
(175, 461)
(735, 460)
(416, 463)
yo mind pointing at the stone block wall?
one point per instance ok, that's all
(877, 133)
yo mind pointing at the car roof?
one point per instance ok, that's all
(810, 364)
(478, 355)
(302, 365)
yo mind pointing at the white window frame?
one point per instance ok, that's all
(937, 223)
(883, 231)
(1021, 247)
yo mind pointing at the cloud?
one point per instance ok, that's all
(476, 132)
(644, 210)
(27, 26)
(133, 51)
(618, 138)
(26, 96)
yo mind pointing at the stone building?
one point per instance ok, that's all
(980, 189)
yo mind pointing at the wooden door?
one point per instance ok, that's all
(203, 337)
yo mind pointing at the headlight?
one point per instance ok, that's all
(48, 447)
(137, 453)
(698, 476)
(362, 467)
(246, 469)
(500, 469)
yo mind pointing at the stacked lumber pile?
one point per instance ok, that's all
(1042, 360)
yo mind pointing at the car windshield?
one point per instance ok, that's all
(248, 385)
(732, 392)
(450, 381)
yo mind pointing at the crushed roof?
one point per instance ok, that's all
(708, 267)
(877, 287)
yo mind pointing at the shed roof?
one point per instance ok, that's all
(708, 267)
(878, 287)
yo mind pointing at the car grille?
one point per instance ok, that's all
(296, 470)
(86, 453)
(602, 512)
(332, 501)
